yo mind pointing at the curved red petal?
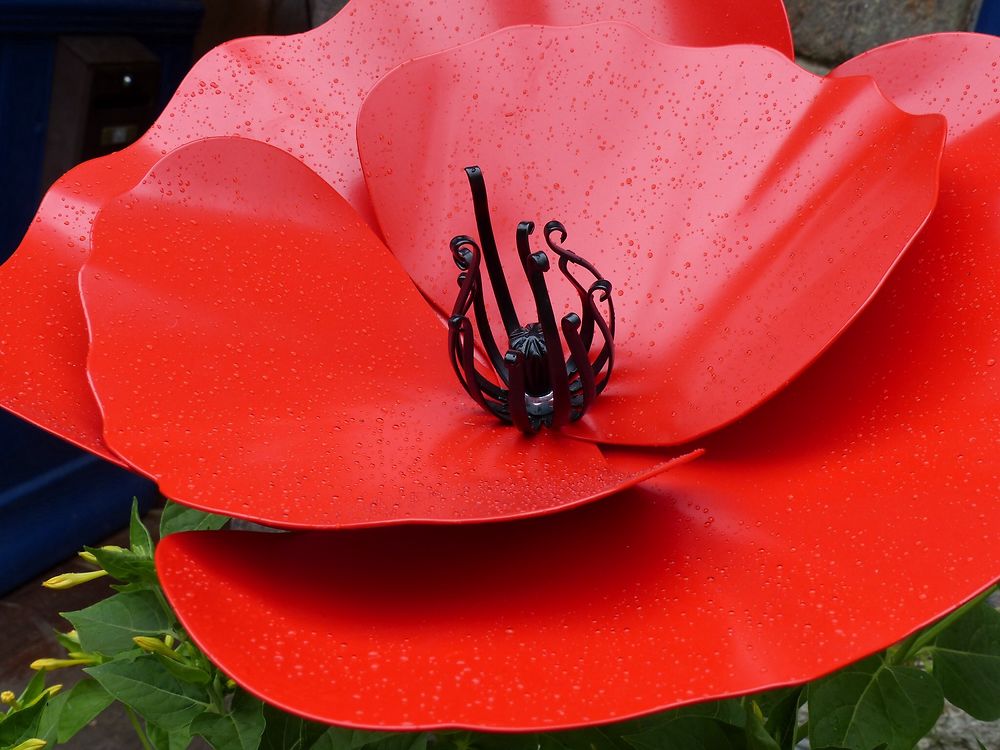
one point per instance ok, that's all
(581, 618)
(257, 351)
(301, 94)
(744, 210)
(855, 507)
(877, 469)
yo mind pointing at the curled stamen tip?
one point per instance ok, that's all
(602, 285)
(541, 261)
(556, 226)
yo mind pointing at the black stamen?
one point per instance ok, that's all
(543, 386)
(493, 266)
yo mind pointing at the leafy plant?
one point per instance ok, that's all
(134, 652)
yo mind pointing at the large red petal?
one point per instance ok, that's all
(855, 507)
(257, 350)
(878, 468)
(580, 618)
(745, 210)
(301, 94)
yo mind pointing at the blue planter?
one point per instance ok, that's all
(54, 499)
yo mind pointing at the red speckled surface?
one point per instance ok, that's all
(856, 506)
(301, 94)
(743, 209)
(257, 350)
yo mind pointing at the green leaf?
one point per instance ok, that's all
(480, 741)
(872, 704)
(725, 712)
(690, 733)
(339, 738)
(144, 685)
(161, 739)
(595, 738)
(71, 711)
(18, 726)
(403, 741)
(66, 642)
(717, 725)
(240, 729)
(185, 672)
(755, 733)
(125, 565)
(177, 517)
(781, 709)
(967, 662)
(138, 536)
(109, 626)
(34, 688)
(282, 731)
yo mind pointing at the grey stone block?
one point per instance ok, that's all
(324, 10)
(831, 31)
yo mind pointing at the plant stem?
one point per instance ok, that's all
(801, 732)
(138, 728)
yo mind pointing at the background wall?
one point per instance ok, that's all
(831, 31)
(230, 19)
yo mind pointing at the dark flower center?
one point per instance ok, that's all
(534, 383)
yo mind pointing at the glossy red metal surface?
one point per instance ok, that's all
(301, 94)
(743, 209)
(853, 508)
(259, 352)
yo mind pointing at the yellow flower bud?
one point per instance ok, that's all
(8, 698)
(69, 580)
(52, 690)
(155, 646)
(32, 744)
(87, 556)
(47, 665)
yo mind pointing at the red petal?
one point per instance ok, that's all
(744, 210)
(877, 470)
(852, 509)
(580, 618)
(257, 350)
(301, 94)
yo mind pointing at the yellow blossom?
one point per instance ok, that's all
(69, 580)
(155, 646)
(47, 665)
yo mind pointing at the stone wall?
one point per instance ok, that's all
(831, 31)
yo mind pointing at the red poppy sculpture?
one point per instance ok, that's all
(720, 223)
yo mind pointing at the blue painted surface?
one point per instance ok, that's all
(55, 498)
(989, 17)
(29, 30)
